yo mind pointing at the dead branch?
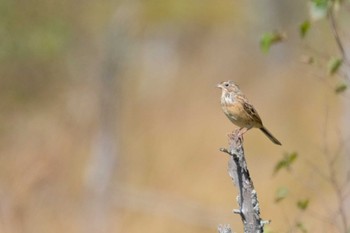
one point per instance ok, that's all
(247, 196)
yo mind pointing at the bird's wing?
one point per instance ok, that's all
(251, 112)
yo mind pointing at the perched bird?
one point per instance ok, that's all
(240, 112)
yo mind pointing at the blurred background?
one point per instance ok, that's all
(111, 120)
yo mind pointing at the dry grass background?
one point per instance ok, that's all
(166, 173)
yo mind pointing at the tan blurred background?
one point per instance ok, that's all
(110, 120)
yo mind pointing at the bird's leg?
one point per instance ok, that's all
(238, 133)
(242, 131)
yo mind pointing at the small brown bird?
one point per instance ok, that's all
(240, 112)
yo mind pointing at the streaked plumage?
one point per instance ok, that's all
(240, 112)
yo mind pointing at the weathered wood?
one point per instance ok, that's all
(247, 196)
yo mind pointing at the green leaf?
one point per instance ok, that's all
(341, 88)
(321, 3)
(281, 193)
(269, 39)
(319, 8)
(304, 28)
(285, 162)
(301, 227)
(334, 64)
(303, 204)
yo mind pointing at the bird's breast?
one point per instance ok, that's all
(234, 110)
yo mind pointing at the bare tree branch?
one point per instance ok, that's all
(247, 197)
(224, 229)
(335, 32)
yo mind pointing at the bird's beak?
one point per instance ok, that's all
(219, 85)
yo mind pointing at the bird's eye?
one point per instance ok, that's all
(226, 85)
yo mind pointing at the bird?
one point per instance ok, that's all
(239, 111)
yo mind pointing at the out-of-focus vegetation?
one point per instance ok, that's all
(110, 120)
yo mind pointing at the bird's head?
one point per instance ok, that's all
(229, 86)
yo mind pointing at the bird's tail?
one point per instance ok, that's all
(270, 136)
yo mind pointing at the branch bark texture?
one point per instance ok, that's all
(247, 197)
